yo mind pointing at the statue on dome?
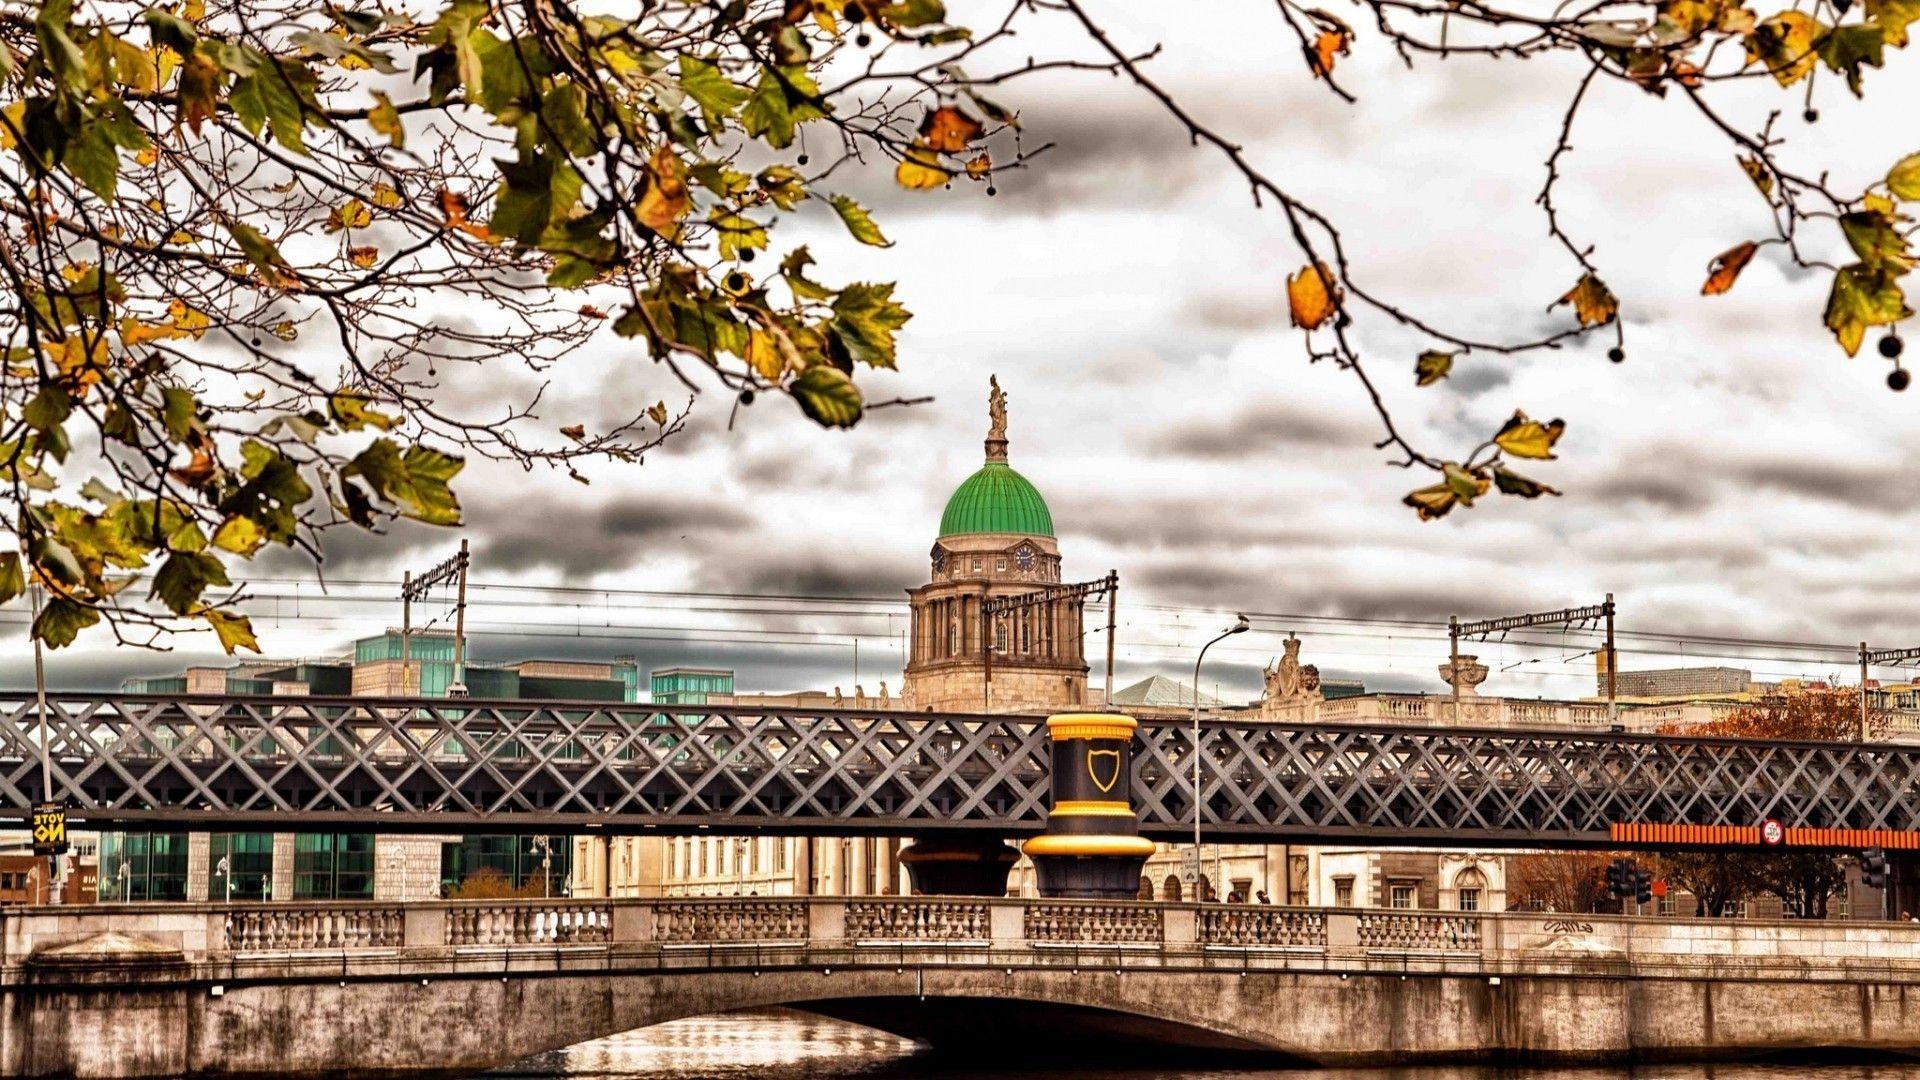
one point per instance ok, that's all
(996, 409)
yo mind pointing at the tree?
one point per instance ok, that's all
(236, 231)
(1567, 881)
(1803, 880)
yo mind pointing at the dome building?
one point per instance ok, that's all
(996, 539)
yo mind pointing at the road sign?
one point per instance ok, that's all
(1772, 833)
(49, 829)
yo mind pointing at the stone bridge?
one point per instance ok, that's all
(443, 988)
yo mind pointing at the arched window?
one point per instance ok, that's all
(1170, 888)
(1146, 888)
(1470, 889)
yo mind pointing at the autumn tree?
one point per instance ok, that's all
(275, 266)
(1566, 881)
(1803, 880)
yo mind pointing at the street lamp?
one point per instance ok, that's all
(225, 869)
(1240, 626)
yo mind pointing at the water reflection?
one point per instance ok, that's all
(783, 1045)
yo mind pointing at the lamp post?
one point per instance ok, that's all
(1240, 626)
(225, 869)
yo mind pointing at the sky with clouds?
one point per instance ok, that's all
(1737, 476)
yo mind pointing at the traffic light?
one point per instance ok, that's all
(1621, 880)
(1642, 886)
(1873, 868)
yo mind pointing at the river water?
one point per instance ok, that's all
(794, 1046)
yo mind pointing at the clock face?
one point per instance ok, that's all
(1023, 558)
(939, 559)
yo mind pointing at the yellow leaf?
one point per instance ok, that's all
(657, 412)
(15, 113)
(240, 535)
(187, 320)
(1312, 296)
(234, 630)
(385, 119)
(1528, 438)
(920, 169)
(666, 199)
(1757, 172)
(948, 130)
(1432, 366)
(352, 214)
(1592, 302)
(1431, 502)
(285, 330)
(980, 167)
(1726, 268)
(147, 158)
(1785, 44)
(386, 197)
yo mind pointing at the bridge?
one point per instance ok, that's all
(395, 765)
(338, 989)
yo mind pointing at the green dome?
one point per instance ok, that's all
(996, 500)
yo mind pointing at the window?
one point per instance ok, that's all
(953, 639)
(1666, 906)
(1000, 637)
(249, 866)
(1469, 899)
(1469, 889)
(780, 852)
(976, 564)
(143, 866)
(1170, 888)
(1000, 564)
(1343, 892)
(333, 866)
(1402, 894)
(704, 844)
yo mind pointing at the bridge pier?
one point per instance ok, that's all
(958, 865)
(1092, 849)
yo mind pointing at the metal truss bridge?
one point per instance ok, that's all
(395, 765)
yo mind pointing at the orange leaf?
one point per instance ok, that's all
(363, 257)
(1726, 268)
(979, 168)
(1592, 301)
(948, 130)
(454, 206)
(666, 199)
(1312, 296)
(1329, 44)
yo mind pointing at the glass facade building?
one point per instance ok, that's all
(137, 866)
(521, 861)
(248, 871)
(333, 866)
(689, 686)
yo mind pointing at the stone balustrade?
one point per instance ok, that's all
(891, 927)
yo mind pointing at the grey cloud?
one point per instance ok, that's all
(578, 541)
(1260, 429)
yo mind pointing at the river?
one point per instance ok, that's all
(795, 1046)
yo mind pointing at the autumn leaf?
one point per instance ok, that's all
(1512, 483)
(858, 222)
(1863, 296)
(352, 214)
(387, 197)
(234, 630)
(1328, 45)
(1785, 44)
(385, 119)
(666, 199)
(1894, 17)
(453, 206)
(1904, 178)
(1431, 502)
(948, 130)
(363, 257)
(199, 91)
(1312, 296)
(574, 431)
(1726, 268)
(657, 412)
(920, 169)
(1432, 366)
(1592, 301)
(1527, 438)
(1758, 172)
(979, 167)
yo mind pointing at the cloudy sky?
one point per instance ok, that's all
(1738, 476)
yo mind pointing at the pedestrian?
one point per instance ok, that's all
(1262, 896)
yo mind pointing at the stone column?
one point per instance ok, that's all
(200, 866)
(282, 867)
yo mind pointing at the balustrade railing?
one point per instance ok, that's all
(1419, 932)
(1082, 922)
(918, 920)
(685, 922)
(1268, 927)
(276, 929)
(529, 923)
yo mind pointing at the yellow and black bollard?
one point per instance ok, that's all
(1092, 848)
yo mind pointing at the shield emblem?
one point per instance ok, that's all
(1104, 761)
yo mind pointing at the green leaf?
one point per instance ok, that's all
(1863, 296)
(234, 630)
(240, 535)
(272, 96)
(94, 160)
(385, 119)
(171, 30)
(352, 412)
(1432, 366)
(858, 222)
(737, 233)
(48, 409)
(62, 620)
(13, 580)
(1848, 49)
(1465, 485)
(267, 261)
(1875, 236)
(912, 13)
(416, 480)
(781, 100)
(57, 49)
(535, 194)
(827, 396)
(184, 577)
(717, 95)
(1894, 16)
(865, 317)
(177, 409)
(1904, 178)
(794, 269)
